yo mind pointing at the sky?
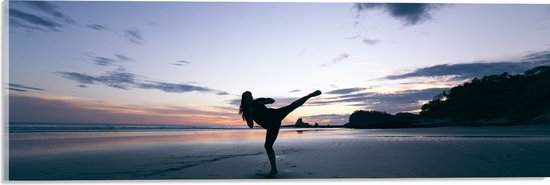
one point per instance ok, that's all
(187, 63)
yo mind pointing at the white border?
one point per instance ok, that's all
(4, 113)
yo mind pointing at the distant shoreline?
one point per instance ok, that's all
(35, 127)
(26, 127)
(428, 125)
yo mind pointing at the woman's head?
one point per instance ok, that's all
(247, 97)
(245, 110)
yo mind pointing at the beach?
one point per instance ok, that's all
(313, 153)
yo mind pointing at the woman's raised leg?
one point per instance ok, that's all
(289, 108)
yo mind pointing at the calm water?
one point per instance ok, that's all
(40, 139)
(48, 139)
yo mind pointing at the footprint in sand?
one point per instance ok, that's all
(261, 165)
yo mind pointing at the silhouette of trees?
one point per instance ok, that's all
(376, 119)
(504, 98)
(516, 98)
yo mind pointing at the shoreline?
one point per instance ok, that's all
(36, 127)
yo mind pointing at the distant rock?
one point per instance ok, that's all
(301, 124)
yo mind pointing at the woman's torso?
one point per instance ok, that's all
(265, 117)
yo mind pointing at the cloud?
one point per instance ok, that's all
(338, 58)
(38, 16)
(235, 102)
(173, 88)
(279, 101)
(106, 61)
(123, 58)
(541, 56)
(16, 89)
(345, 91)
(181, 63)
(116, 79)
(134, 36)
(408, 100)
(19, 24)
(44, 110)
(22, 88)
(221, 93)
(50, 9)
(371, 42)
(79, 77)
(76, 110)
(353, 37)
(98, 27)
(479, 69)
(409, 13)
(102, 61)
(296, 90)
(27, 20)
(125, 80)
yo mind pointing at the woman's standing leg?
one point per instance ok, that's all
(273, 130)
(270, 138)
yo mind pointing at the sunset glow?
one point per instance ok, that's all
(187, 63)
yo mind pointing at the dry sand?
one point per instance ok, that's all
(512, 151)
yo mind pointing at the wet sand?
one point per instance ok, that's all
(512, 151)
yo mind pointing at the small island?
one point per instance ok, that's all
(301, 124)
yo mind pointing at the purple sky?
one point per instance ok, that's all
(188, 63)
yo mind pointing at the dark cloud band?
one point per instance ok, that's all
(134, 35)
(22, 88)
(476, 70)
(408, 13)
(345, 91)
(43, 16)
(50, 9)
(390, 102)
(126, 80)
(98, 27)
(339, 58)
(24, 19)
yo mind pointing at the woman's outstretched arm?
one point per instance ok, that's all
(265, 100)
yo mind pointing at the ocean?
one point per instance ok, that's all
(23, 127)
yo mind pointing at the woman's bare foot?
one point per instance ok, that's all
(315, 93)
(272, 173)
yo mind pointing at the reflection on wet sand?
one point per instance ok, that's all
(58, 142)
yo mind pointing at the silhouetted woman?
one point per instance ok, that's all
(270, 119)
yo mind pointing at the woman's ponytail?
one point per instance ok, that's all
(246, 109)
